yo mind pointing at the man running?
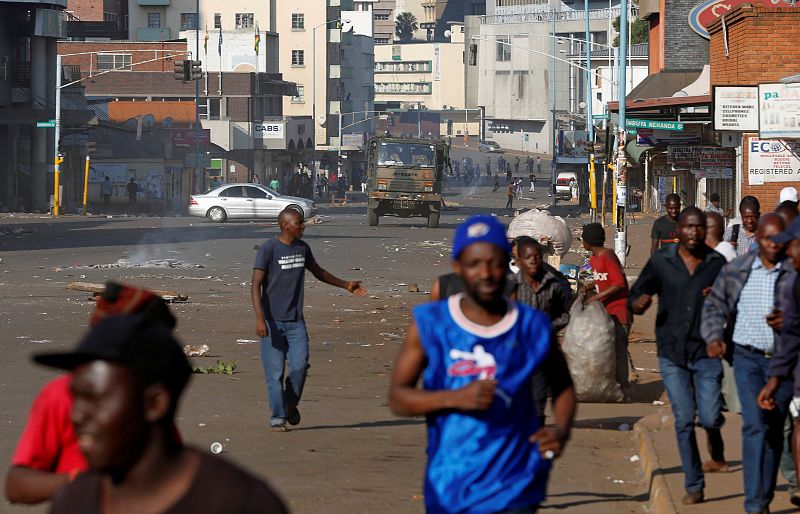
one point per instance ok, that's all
(665, 228)
(476, 353)
(277, 294)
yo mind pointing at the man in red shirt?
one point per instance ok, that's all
(47, 456)
(612, 290)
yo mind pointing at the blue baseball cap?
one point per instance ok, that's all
(791, 232)
(480, 229)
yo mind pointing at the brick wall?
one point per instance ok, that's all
(762, 47)
(86, 10)
(139, 52)
(684, 49)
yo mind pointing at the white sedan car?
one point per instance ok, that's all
(246, 201)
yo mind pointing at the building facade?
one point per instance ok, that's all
(28, 36)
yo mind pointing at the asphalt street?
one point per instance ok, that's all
(349, 454)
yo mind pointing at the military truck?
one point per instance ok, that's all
(405, 178)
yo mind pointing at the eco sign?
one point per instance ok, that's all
(707, 12)
(267, 130)
(772, 160)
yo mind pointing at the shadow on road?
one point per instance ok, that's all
(591, 498)
(368, 424)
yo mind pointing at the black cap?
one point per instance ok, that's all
(791, 232)
(145, 347)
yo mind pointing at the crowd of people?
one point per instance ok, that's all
(485, 350)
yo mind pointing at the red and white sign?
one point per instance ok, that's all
(705, 13)
(186, 137)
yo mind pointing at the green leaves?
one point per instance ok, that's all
(222, 367)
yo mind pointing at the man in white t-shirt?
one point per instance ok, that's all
(715, 228)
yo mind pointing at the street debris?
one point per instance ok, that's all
(222, 367)
(634, 458)
(624, 427)
(191, 350)
(152, 263)
(246, 341)
(98, 289)
(413, 288)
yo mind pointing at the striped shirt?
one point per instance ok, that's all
(756, 301)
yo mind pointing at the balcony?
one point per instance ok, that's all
(547, 16)
(148, 34)
(151, 3)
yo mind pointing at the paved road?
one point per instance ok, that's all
(350, 454)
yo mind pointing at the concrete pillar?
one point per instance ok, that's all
(39, 139)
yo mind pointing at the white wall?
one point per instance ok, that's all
(238, 51)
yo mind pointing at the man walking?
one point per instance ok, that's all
(538, 164)
(665, 228)
(510, 203)
(516, 166)
(680, 275)
(476, 352)
(133, 191)
(745, 294)
(488, 166)
(106, 191)
(277, 294)
(496, 184)
(608, 277)
(743, 234)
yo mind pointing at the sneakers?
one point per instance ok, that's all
(279, 428)
(292, 414)
(713, 466)
(693, 498)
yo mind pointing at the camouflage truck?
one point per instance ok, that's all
(405, 178)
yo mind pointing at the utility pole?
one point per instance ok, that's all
(197, 102)
(553, 126)
(620, 173)
(57, 155)
(589, 120)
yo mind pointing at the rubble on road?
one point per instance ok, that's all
(191, 350)
(152, 263)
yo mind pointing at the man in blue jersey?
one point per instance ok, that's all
(476, 352)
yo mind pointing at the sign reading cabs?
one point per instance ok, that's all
(268, 130)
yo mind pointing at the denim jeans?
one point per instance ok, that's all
(695, 389)
(286, 344)
(762, 431)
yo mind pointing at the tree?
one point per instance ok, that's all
(405, 25)
(639, 31)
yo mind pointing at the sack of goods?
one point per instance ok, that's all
(551, 231)
(589, 349)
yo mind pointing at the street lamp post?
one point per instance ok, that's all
(589, 120)
(553, 122)
(620, 173)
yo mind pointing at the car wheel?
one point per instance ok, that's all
(217, 214)
(298, 209)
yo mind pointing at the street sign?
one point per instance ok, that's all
(46, 124)
(600, 116)
(653, 124)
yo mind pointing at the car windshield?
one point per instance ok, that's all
(406, 154)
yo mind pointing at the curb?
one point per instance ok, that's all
(661, 501)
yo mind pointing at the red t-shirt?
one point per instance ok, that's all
(607, 271)
(48, 442)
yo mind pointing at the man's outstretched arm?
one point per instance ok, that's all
(354, 286)
(565, 404)
(406, 400)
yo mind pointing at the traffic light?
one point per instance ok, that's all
(196, 70)
(91, 147)
(183, 70)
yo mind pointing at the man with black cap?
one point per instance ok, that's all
(609, 279)
(783, 365)
(477, 352)
(128, 375)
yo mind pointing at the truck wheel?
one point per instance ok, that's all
(433, 220)
(372, 217)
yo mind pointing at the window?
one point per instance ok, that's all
(382, 41)
(409, 88)
(233, 192)
(403, 67)
(381, 17)
(244, 20)
(473, 54)
(298, 21)
(154, 20)
(188, 21)
(255, 192)
(217, 20)
(301, 95)
(503, 48)
(113, 62)
(298, 58)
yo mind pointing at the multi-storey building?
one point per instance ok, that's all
(97, 19)
(518, 70)
(28, 35)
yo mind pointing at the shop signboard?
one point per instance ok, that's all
(651, 137)
(268, 130)
(708, 11)
(779, 110)
(736, 108)
(772, 160)
(702, 158)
